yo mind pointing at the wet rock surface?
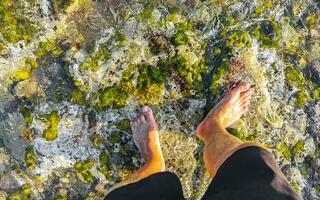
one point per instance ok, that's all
(74, 73)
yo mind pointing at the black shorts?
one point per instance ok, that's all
(250, 173)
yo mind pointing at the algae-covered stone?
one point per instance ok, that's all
(51, 132)
(295, 77)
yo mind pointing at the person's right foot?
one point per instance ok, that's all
(228, 110)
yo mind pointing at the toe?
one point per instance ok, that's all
(240, 87)
(246, 93)
(147, 112)
(142, 118)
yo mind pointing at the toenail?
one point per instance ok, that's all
(144, 109)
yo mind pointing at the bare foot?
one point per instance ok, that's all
(227, 111)
(146, 137)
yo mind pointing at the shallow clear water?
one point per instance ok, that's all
(73, 73)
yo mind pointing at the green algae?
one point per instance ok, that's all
(31, 63)
(315, 95)
(119, 38)
(241, 135)
(124, 124)
(295, 77)
(96, 60)
(312, 20)
(59, 6)
(180, 37)
(297, 148)
(82, 168)
(263, 7)
(268, 33)
(238, 39)
(301, 99)
(111, 97)
(150, 84)
(23, 194)
(78, 97)
(26, 113)
(14, 26)
(30, 158)
(51, 132)
(285, 150)
(22, 74)
(50, 48)
(291, 152)
(114, 137)
(97, 141)
(105, 165)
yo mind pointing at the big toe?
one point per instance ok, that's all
(240, 87)
(148, 114)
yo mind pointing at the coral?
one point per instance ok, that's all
(30, 158)
(51, 132)
(111, 96)
(82, 168)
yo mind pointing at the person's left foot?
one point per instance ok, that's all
(146, 137)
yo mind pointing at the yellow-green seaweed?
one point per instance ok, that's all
(51, 132)
(30, 158)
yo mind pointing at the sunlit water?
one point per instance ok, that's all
(73, 73)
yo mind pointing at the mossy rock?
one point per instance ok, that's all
(30, 158)
(52, 120)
